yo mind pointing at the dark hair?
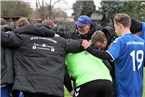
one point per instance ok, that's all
(98, 36)
(136, 26)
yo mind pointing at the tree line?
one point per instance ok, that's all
(136, 9)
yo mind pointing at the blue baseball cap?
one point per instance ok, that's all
(83, 20)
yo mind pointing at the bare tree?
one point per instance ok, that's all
(46, 8)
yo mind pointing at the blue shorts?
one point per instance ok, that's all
(5, 91)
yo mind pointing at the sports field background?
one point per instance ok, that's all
(67, 94)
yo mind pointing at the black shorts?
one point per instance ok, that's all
(29, 94)
(96, 88)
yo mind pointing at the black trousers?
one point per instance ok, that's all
(15, 93)
(96, 88)
(28, 94)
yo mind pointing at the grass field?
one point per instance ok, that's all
(68, 95)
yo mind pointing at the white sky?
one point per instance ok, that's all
(65, 5)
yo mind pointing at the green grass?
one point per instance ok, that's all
(68, 95)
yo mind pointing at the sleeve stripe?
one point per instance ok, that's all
(110, 55)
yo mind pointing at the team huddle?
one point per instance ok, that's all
(100, 61)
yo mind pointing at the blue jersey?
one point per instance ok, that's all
(128, 53)
(143, 31)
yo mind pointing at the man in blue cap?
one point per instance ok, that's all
(83, 24)
(84, 29)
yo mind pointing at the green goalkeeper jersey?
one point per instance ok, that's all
(84, 67)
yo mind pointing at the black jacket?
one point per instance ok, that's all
(77, 35)
(110, 34)
(7, 65)
(38, 30)
(7, 73)
(39, 63)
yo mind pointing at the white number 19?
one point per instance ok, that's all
(135, 57)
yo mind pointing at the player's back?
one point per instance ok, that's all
(129, 58)
(130, 66)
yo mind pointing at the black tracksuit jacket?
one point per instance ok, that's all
(39, 61)
(7, 74)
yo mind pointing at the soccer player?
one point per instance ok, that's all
(127, 52)
(91, 76)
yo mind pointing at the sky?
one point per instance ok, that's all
(65, 5)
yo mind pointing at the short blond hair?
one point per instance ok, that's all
(123, 19)
(3, 21)
(48, 23)
(22, 22)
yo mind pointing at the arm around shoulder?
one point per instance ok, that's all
(73, 46)
(10, 39)
(99, 53)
